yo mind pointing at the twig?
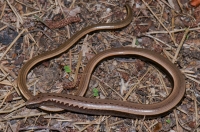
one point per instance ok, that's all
(77, 67)
(115, 123)
(196, 108)
(96, 122)
(15, 12)
(2, 13)
(72, 5)
(169, 56)
(37, 30)
(192, 79)
(39, 19)
(13, 42)
(166, 3)
(177, 125)
(5, 76)
(138, 82)
(5, 97)
(183, 111)
(159, 21)
(27, 5)
(103, 90)
(148, 35)
(173, 21)
(108, 86)
(173, 31)
(70, 60)
(6, 69)
(22, 116)
(31, 13)
(3, 27)
(180, 45)
(180, 5)
(14, 108)
(34, 128)
(59, 4)
(162, 81)
(147, 126)
(13, 84)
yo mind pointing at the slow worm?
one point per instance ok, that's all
(78, 103)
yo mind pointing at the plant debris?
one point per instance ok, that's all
(168, 27)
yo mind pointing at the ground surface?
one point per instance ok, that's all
(29, 28)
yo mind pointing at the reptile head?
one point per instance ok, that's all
(33, 102)
(44, 99)
(36, 101)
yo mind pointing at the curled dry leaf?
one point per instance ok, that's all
(195, 3)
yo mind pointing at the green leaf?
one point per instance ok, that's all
(95, 92)
(136, 43)
(187, 37)
(168, 120)
(67, 69)
(38, 18)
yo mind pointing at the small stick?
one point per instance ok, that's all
(15, 12)
(3, 27)
(13, 109)
(13, 42)
(173, 31)
(150, 36)
(115, 123)
(147, 127)
(131, 89)
(180, 5)
(176, 117)
(77, 67)
(180, 45)
(187, 76)
(2, 13)
(159, 21)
